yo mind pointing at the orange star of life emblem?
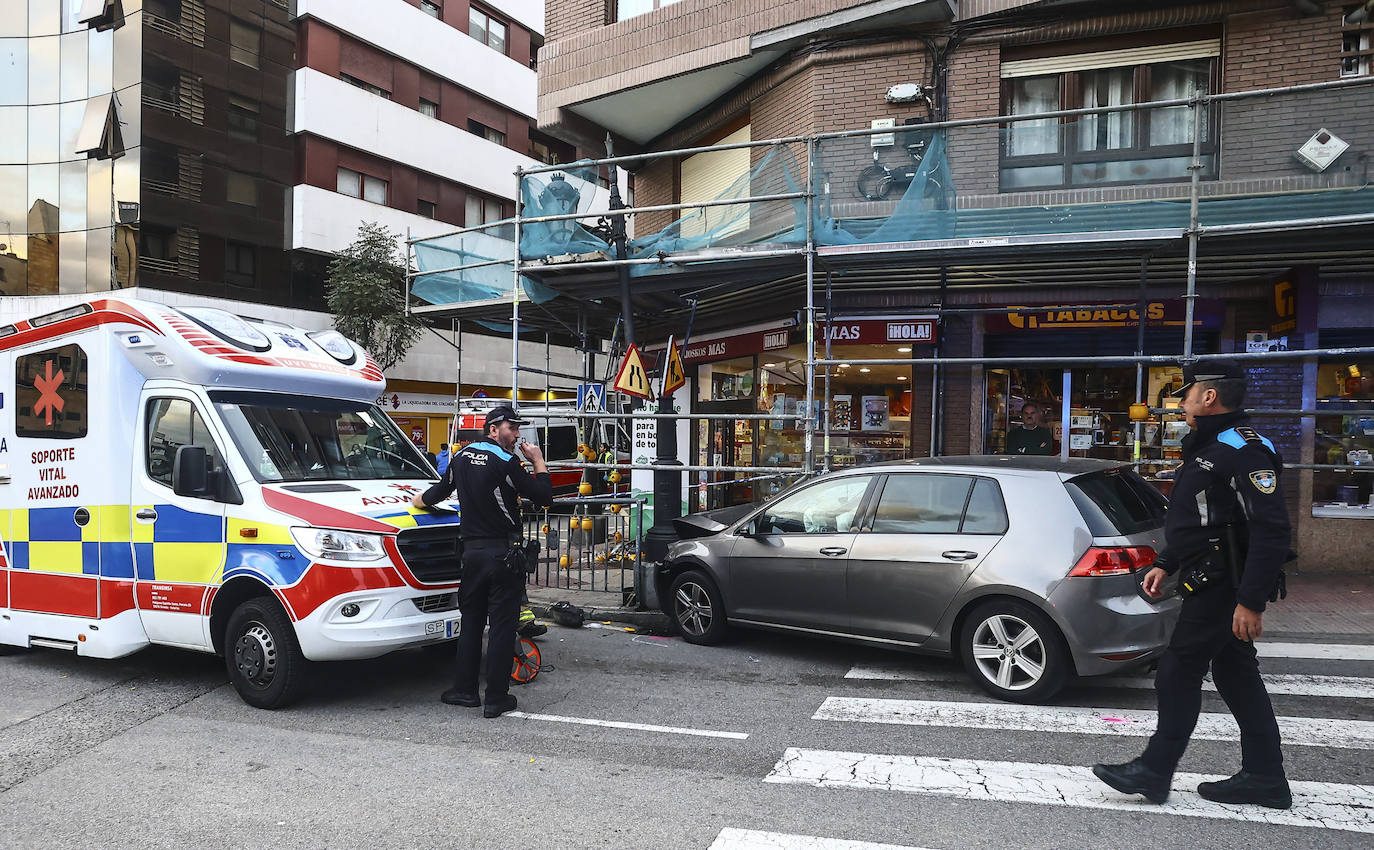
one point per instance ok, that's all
(49, 402)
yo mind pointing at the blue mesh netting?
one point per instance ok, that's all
(458, 268)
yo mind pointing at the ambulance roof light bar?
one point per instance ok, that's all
(228, 327)
(336, 345)
(60, 315)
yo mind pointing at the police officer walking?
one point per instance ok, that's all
(489, 480)
(1227, 538)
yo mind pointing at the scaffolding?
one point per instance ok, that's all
(781, 225)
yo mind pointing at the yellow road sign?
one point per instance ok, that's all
(673, 374)
(633, 379)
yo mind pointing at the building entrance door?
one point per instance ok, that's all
(723, 443)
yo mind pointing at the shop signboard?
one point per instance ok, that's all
(1207, 313)
(740, 345)
(879, 330)
(417, 402)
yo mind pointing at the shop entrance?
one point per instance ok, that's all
(724, 442)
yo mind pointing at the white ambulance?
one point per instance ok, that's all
(191, 478)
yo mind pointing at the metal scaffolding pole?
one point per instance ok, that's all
(1194, 187)
(810, 423)
(515, 296)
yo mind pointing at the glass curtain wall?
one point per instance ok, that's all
(69, 109)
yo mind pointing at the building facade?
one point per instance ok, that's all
(1063, 236)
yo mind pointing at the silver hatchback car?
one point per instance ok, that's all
(1027, 568)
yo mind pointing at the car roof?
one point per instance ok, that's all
(1019, 463)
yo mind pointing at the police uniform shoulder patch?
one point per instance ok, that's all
(1264, 480)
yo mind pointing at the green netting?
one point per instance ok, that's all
(474, 265)
(572, 190)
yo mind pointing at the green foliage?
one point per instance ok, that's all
(366, 293)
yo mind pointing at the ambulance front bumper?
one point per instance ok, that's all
(369, 623)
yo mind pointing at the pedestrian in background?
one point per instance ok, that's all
(442, 459)
(1227, 537)
(489, 480)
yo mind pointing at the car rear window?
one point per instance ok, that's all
(1116, 502)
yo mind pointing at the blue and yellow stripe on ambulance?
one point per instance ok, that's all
(268, 554)
(181, 546)
(412, 517)
(49, 540)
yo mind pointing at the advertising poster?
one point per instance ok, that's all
(875, 412)
(842, 413)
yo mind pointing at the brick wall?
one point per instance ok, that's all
(974, 91)
(566, 18)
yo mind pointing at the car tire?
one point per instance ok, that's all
(263, 657)
(696, 608)
(1014, 652)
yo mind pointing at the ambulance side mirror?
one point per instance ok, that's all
(190, 477)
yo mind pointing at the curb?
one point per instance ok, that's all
(651, 622)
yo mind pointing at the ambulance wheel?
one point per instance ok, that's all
(261, 653)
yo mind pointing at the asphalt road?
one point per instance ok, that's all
(157, 750)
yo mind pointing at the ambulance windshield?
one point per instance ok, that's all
(300, 438)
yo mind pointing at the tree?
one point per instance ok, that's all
(366, 293)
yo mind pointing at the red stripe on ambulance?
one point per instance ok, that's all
(54, 593)
(322, 583)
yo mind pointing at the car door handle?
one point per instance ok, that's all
(959, 555)
(146, 513)
(834, 550)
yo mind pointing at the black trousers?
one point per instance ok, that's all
(490, 591)
(1203, 637)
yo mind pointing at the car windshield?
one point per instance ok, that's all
(1116, 502)
(300, 438)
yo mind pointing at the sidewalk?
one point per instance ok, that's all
(1333, 605)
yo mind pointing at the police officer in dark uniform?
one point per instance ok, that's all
(489, 480)
(1227, 540)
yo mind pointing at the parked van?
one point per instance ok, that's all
(555, 429)
(191, 478)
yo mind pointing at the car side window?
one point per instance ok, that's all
(823, 508)
(986, 513)
(173, 423)
(921, 504)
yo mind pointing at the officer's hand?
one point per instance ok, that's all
(1153, 584)
(1246, 624)
(532, 452)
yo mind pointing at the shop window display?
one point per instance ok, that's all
(1344, 438)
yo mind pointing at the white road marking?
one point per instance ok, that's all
(1322, 805)
(621, 724)
(1288, 684)
(1296, 731)
(753, 839)
(1320, 651)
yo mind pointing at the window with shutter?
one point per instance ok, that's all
(706, 176)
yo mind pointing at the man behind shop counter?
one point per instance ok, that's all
(489, 481)
(1030, 438)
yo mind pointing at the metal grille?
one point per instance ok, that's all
(431, 553)
(437, 603)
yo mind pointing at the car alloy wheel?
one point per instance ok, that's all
(693, 604)
(1009, 652)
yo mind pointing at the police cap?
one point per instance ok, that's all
(504, 413)
(1209, 370)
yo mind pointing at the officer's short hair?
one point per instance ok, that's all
(1230, 391)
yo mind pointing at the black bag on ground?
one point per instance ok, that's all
(567, 614)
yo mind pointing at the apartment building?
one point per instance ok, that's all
(1062, 236)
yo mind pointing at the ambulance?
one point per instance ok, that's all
(192, 478)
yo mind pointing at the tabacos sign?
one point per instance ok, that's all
(1207, 313)
(870, 331)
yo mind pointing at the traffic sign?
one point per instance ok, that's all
(633, 379)
(591, 397)
(673, 374)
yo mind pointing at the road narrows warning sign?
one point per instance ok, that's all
(633, 378)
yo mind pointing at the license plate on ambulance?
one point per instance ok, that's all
(443, 628)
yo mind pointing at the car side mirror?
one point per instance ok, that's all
(190, 473)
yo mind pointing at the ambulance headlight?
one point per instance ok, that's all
(339, 545)
(228, 327)
(336, 345)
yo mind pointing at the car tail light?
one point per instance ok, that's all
(1113, 561)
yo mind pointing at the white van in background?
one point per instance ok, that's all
(555, 429)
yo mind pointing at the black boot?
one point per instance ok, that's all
(1269, 791)
(533, 630)
(500, 707)
(453, 696)
(1134, 777)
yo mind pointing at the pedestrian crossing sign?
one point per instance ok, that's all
(673, 374)
(591, 397)
(633, 379)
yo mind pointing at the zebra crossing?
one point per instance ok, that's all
(1346, 807)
